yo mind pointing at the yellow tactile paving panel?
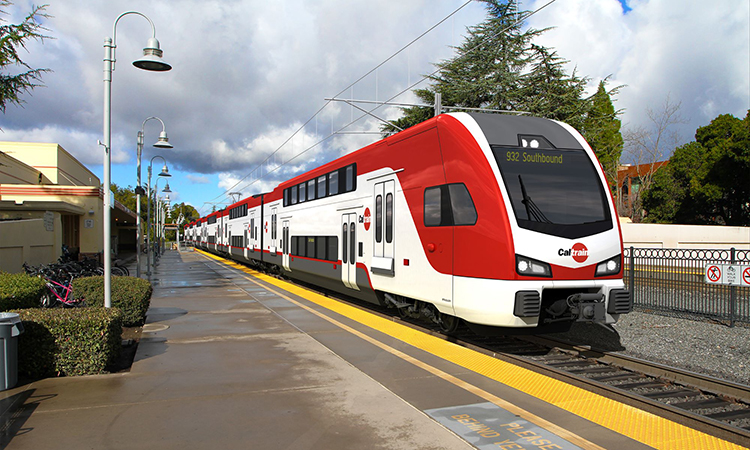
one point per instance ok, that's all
(634, 423)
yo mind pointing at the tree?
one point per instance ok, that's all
(706, 181)
(601, 128)
(649, 146)
(13, 37)
(499, 68)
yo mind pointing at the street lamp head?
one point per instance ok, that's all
(165, 172)
(166, 189)
(163, 141)
(151, 59)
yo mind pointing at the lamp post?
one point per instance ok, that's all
(151, 60)
(163, 142)
(164, 173)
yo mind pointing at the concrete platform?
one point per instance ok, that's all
(231, 360)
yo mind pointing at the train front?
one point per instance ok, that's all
(564, 243)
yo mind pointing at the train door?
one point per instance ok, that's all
(252, 231)
(273, 239)
(349, 250)
(285, 245)
(383, 235)
(245, 241)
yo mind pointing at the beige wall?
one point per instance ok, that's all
(53, 161)
(651, 235)
(31, 241)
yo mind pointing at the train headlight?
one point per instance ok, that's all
(532, 268)
(609, 267)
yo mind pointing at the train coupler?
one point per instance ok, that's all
(587, 307)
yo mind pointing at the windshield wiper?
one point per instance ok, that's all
(532, 211)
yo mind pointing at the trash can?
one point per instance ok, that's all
(10, 328)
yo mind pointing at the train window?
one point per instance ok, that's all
(389, 218)
(320, 250)
(462, 205)
(302, 192)
(379, 219)
(293, 195)
(349, 178)
(311, 190)
(432, 207)
(352, 242)
(333, 248)
(310, 247)
(286, 197)
(294, 246)
(333, 183)
(322, 186)
(345, 241)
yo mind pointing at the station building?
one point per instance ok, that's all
(49, 199)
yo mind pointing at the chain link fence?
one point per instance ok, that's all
(673, 281)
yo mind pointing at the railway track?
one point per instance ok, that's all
(718, 407)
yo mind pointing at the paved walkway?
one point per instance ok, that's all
(217, 369)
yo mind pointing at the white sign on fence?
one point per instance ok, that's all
(727, 274)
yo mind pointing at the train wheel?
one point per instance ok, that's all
(448, 324)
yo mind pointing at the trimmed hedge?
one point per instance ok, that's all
(68, 341)
(130, 294)
(19, 290)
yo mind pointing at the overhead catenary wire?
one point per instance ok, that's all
(351, 85)
(366, 113)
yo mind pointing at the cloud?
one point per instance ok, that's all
(197, 179)
(656, 50)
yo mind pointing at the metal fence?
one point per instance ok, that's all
(673, 280)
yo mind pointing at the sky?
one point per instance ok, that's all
(245, 103)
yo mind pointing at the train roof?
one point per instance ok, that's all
(507, 130)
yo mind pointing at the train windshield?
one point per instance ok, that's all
(554, 191)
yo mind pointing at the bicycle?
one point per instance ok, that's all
(62, 293)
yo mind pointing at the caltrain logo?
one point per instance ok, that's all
(367, 219)
(579, 252)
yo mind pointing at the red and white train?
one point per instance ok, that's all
(499, 220)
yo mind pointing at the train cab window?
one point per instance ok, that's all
(322, 186)
(449, 204)
(389, 218)
(293, 195)
(302, 192)
(432, 207)
(462, 206)
(311, 190)
(287, 202)
(333, 183)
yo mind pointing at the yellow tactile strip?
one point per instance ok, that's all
(634, 423)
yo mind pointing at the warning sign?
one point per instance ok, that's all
(728, 274)
(713, 274)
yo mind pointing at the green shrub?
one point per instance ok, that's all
(68, 341)
(19, 290)
(132, 295)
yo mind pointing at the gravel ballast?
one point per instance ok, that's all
(703, 347)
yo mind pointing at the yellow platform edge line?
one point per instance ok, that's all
(627, 420)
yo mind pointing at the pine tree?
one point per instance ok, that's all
(498, 67)
(601, 128)
(14, 37)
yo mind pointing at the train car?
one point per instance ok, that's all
(496, 220)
